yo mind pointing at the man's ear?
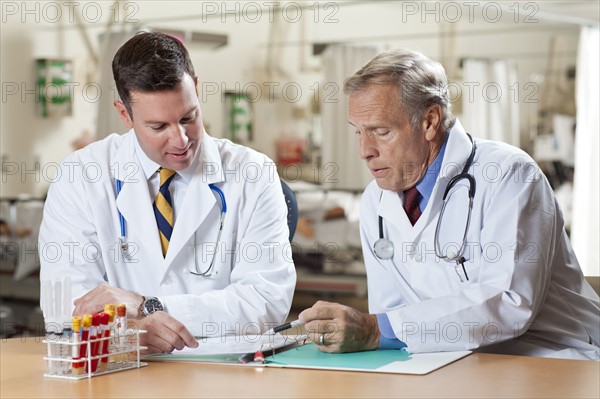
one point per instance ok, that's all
(124, 114)
(431, 121)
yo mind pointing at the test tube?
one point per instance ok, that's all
(77, 368)
(111, 310)
(51, 325)
(103, 345)
(65, 350)
(121, 322)
(85, 335)
(95, 334)
(66, 311)
(57, 303)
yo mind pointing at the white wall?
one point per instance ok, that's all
(25, 136)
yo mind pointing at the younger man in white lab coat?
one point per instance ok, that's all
(171, 182)
(514, 287)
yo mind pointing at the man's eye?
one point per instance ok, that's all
(383, 133)
(157, 128)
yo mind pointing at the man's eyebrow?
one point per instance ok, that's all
(152, 122)
(370, 127)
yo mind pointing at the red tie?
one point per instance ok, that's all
(411, 204)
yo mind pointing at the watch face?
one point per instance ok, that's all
(152, 305)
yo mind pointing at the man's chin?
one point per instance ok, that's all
(385, 184)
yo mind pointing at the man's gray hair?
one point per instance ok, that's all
(421, 83)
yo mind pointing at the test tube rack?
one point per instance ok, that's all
(123, 354)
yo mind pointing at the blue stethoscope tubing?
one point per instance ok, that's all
(384, 248)
(123, 238)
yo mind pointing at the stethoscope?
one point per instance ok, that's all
(124, 245)
(384, 248)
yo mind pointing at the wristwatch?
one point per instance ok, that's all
(151, 305)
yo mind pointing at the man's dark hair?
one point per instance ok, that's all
(150, 62)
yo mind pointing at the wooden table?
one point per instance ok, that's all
(478, 375)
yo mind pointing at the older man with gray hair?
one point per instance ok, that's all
(463, 240)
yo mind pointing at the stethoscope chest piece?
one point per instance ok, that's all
(383, 249)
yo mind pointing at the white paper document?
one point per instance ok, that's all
(232, 348)
(239, 344)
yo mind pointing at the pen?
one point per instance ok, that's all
(285, 326)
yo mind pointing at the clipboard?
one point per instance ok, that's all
(296, 352)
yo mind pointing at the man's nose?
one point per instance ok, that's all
(367, 148)
(178, 137)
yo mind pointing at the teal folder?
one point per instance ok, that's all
(310, 356)
(395, 361)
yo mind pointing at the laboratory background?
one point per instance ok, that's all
(270, 77)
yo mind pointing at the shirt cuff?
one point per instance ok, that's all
(388, 339)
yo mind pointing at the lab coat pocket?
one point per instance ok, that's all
(462, 274)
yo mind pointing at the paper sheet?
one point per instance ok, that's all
(238, 344)
(231, 349)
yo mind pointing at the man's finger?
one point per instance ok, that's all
(320, 311)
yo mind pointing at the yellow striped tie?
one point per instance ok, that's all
(163, 209)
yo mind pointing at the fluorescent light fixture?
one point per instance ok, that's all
(204, 39)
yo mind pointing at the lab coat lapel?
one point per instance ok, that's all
(390, 209)
(134, 201)
(457, 152)
(199, 199)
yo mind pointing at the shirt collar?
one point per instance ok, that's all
(427, 182)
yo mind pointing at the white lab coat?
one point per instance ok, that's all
(256, 277)
(526, 293)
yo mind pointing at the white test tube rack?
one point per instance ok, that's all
(123, 354)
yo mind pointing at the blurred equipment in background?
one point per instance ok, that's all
(19, 267)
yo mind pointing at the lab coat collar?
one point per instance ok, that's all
(210, 166)
(457, 152)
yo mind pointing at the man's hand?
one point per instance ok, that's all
(343, 329)
(94, 301)
(164, 335)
